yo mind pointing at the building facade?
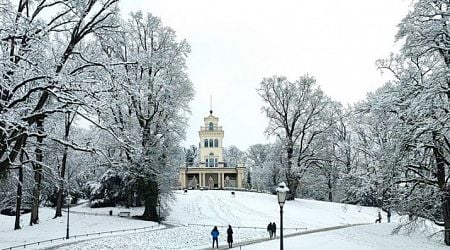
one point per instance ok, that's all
(212, 171)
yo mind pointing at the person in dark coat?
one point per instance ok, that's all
(215, 236)
(379, 218)
(230, 236)
(269, 229)
(388, 214)
(274, 229)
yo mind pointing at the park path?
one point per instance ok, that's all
(251, 242)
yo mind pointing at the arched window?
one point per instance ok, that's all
(211, 126)
(206, 143)
(216, 143)
(211, 143)
(212, 162)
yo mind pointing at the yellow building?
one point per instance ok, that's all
(212, 171)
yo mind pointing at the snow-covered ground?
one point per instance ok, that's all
(50, 228)
(196, 212)
(368, 237)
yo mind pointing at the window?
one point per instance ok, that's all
(211, 126)
(211, 143)
(212, 162)
(206, 143)
(216, 143)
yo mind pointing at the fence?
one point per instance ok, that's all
(135, 229)
(79, 235)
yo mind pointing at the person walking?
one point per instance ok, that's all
(379, 218)
(230, 236)
(215, 236)
(269, 229)
(388, 214)
(274, 229)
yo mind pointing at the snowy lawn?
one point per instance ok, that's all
(49, 228)
(368, 237)
(209, 208)
(257, 209)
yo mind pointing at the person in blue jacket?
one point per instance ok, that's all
(215, 236)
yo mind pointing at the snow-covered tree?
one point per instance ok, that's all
(421, 78)
(295, 111)
(233, 156)
(148, 105)
(43, 72)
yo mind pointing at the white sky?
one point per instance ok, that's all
(235, 43)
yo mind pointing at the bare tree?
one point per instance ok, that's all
(295, 111)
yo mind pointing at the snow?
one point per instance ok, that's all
(368, 237)
(282, 187)
(195, 213)
(50, 228)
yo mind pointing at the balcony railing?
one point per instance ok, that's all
(211, 128)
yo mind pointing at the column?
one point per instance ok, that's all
(223, 179)
(239, 179)
(204, 179)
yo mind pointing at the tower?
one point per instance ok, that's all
(211, 142)
(211, 172)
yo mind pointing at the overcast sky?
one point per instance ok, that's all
(236, 43)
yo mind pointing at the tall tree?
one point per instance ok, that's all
(42, 72)
(422, 104)
(295, 111)
(149, 103)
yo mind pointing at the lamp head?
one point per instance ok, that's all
(281, 193)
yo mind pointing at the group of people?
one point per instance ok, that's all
(388, 214)
(215, 236)
(272, 229)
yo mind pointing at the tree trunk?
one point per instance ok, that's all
(446, 213)
(330, 188)
(68, 119)
(59, 200)
(445, 189)
(19, 198)
(293, 185)
(129, 198)
(150, 200)
(59, 203)
(292, 182)
(37, 168)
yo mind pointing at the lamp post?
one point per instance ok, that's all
(281, 194)
(68, 213)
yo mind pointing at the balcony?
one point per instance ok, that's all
(211, 128)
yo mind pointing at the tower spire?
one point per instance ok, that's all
(210, 104)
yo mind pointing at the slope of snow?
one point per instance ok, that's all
(196, 212)
(257, 209)
(368, 237)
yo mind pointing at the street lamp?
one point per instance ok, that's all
(281, 194)
(69, 198)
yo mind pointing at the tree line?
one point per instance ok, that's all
(66, 62)
(390, 150)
